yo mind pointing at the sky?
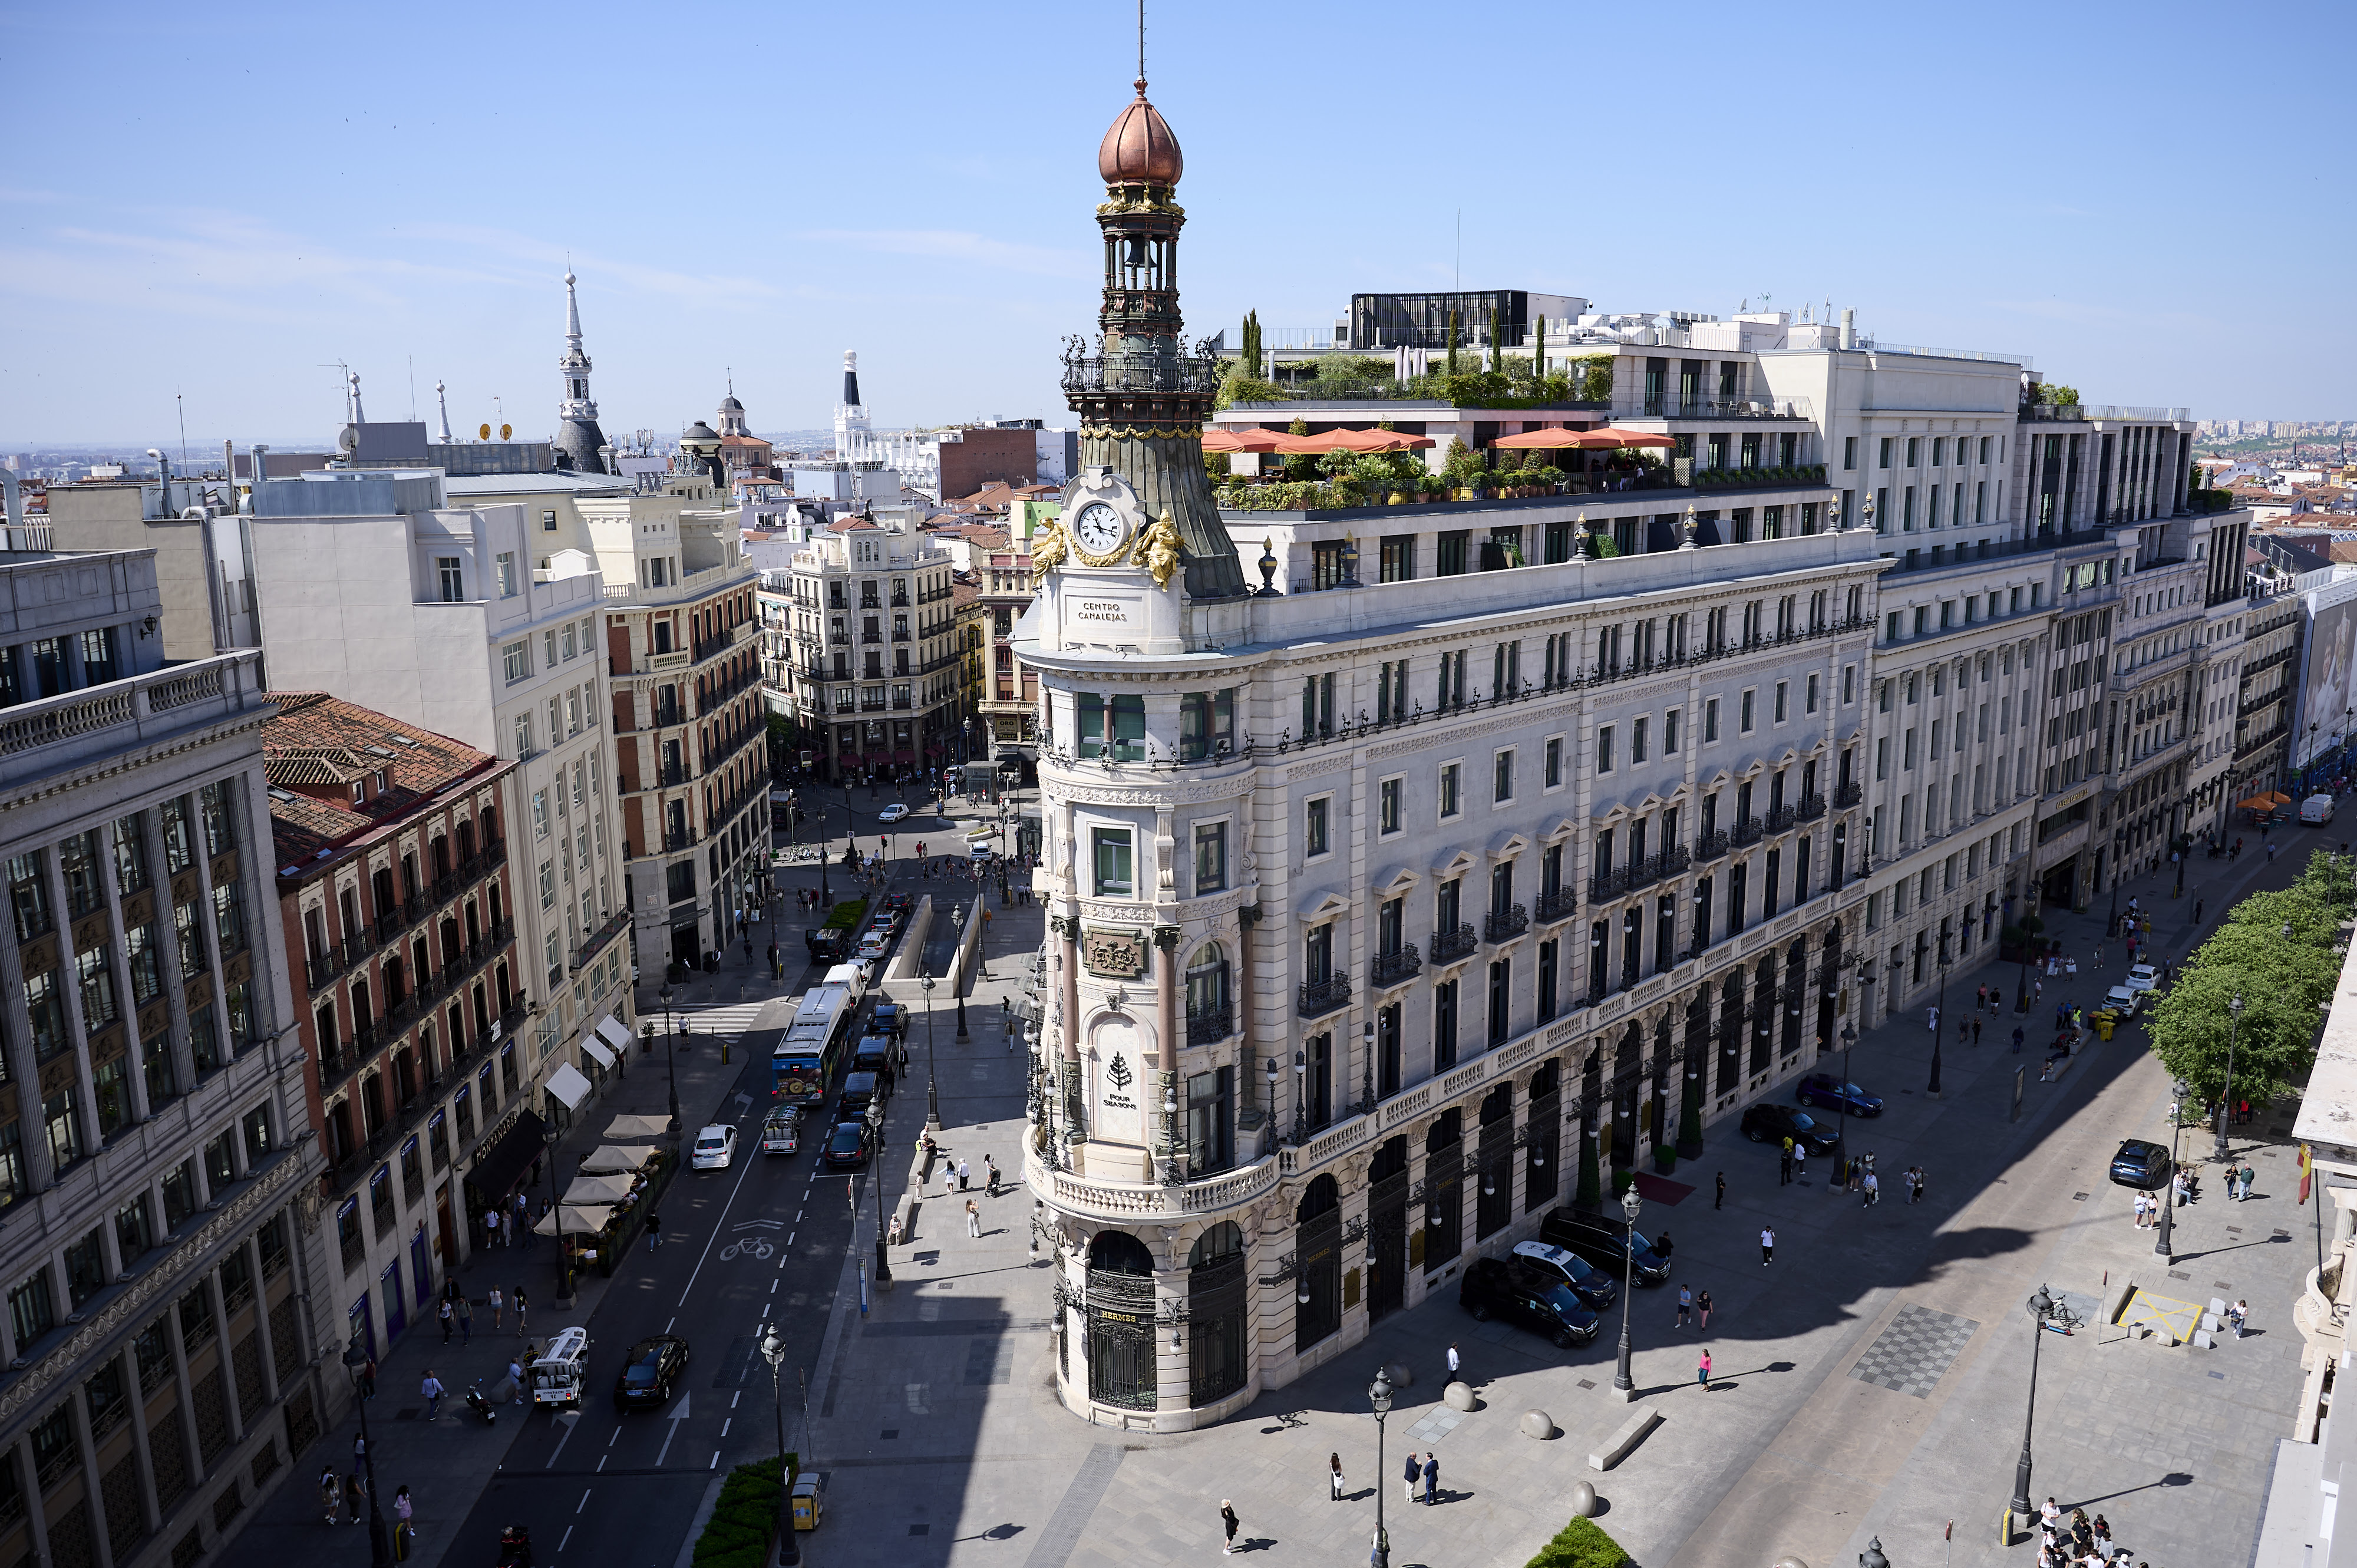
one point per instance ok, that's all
(205, 210)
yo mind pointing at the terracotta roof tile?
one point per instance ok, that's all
(320, 742)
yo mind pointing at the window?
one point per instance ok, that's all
(256, 1132)
(31, 1314)
(78, 860)
(1317, 826)
(63, 1121)
(1554, 762)
(1638, 738)
(1387, 805)
(130, 840)
(452, 571)
(1783, 701)
(1670, 725)
(189, 926)
(28, 893)
(1210, 857)
(1452, 774)
(1914, 451)
(1111, 858)
(507, 569)
(45, 1011)
(516, 658)
(1812, 697)
(1604, 748)
(1885, 458)
(1748, 714)
(134, 1231)
(548, 519)
(229, 919)
(95, 973)
(85, 1269)
(1501, 776)
(1709, 720)
(111, 1082)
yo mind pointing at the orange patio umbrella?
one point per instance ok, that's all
(1249, 440)
(1366, 441)
(1557, 440)
(1621, 437)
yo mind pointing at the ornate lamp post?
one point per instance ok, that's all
(1625, 1385)
(1300, 1097)
(932, 1082)
(2043, 1309)
(2226, 1103)
(1938, 1021)
(1379, 1397)
(875, 1128)
(356, 1360)
(2168, 1192)
(556, 1207)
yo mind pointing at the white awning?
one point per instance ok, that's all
(595, 1049)
(567, 1084)
(615, 1034)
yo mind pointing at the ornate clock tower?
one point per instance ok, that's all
(1141, 397)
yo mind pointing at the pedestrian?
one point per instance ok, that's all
(449, 1319)
(1454, 1363)
(1783, 1164)
(499, 1306)
(2016, 1039)
(1663, 1246)
(466, 1321)
(1980, 997)
(359, 1451)
(522, 1226)
(2037, 992)
(490, 1228)
(1431, 1479)
(962, 1176)
(1414, 1468)
(654, 1230)
(2237, 1315)
(356, 1496)
(1229, 1521)
(331, 1493)
(1976, 1031)
(2142, 1199)
(515, 1374)
(1702, 1310)
(1801, 1163)
(1686, 1304)
(973, 1218)
(2197, 911)
(1702, 1369)
(949, 1178)
(401, 1509)
(1334, 1464)
(1873, 1190)
(2180, 1189)
(1718, 1199)
(1767, 1246)
(2099, 955)
(516, 1295)
(1915, 1184)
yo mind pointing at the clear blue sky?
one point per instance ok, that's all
(221, 199)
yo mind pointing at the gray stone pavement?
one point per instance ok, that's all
(942, 1440)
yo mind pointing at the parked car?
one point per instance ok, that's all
(894, 812)
(1765, 1124)
(1490, 1289)
(715, 1147)
(2120, 999)
(873, 946)
(651, 1370)
(875, 1054)
(2140, 1162)
(979, 851)
(1835, 1092)
(848, 1147)
(889, 1018)
(860, 1089)
(1560, 1266)
(1603, 1241)
(782, 1130)
(2143, 977)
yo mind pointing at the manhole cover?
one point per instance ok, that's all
(2234, 1231)
(2078, 1197)
(2219, 1376)
(2221, 1284)
(1587, 1382)
(921, 1529)
(2179, 1274)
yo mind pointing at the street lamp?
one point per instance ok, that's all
(356, 1360)
(876, 1127)
(2041, 1308)
(1301, 1097)
(2226, 1103)
(1939, 1020)
(1849, 1043)
(1379, 1397)
(773, 1350)
(556, 1207)
(671, 1062)
(932, 1082)
(2168, 1193)
(1630, 1204)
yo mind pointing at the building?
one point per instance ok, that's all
(1387, 913)
(465, 622)
(580, 445)
(2267, 685)
(168, 1307)
(744, 456)
(1010, 696)
(394, 888)
(202, 570)
(971, 633)
(875, 677)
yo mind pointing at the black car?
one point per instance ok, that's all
(1561, 1266)
(860, 1089)
(874, 1055)
(1602, 1242)
(1765, 1124)
(847, 1147)
(1492, 1289)
(888, 1018)
(2141, 1164)
(652, 1370)
(1833, 1091)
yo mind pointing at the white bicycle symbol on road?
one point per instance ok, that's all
(751, 1249)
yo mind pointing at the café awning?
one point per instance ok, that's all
(1368, 441)
(610, 1159)
(627, 1127)
(574, 1219)
(595, 1049)
(1249, 440)
(500, 1166)
(567, 1084)
(593, 1189)
(615, 1034)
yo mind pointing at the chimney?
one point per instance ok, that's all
(1849, 328)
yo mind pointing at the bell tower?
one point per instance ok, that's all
(1141, 397)
(577, 436)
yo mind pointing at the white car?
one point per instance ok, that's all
(2144, 977)
(2124, 1000)
(895, 812)
(715, 1147)
(872, 945)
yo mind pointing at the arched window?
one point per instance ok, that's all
(1216, 1303)
(1208, 1012)
(1121, 1322)
(1318, 1243)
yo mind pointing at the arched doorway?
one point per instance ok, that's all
(1730, 1034)
(1121, 1322)
(1387, 1228)
(1495, 1204)
(1828, 988)
(1215, 1314)
(1444, 1186)
(1796, 988)
(1317, 1262)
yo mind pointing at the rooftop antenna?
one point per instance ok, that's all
(1141, 46)
(183, 408)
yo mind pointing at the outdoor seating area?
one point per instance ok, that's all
(612, 1193)
(1378, 466)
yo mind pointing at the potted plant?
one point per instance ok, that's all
(1665, 1158)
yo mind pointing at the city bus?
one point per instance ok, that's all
(804, 1061)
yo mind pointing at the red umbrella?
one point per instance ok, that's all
(1251, 439)
(1368, 441)
(1555, 440)
(1635, 437)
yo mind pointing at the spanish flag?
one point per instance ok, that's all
(2307, 1173)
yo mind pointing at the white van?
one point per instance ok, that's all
(562, 1372)
(2316, 811)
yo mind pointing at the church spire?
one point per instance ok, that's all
(577, 436)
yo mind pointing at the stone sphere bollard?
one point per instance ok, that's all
(1402, 1375)
(1458, 1396)
(1539, 1425)
(1583, 1501)
(1790, 1563)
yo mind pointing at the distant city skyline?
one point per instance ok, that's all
(416, 219)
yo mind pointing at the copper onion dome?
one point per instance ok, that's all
(1139, 148)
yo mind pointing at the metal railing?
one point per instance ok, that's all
(1391, 968)
(1850, 794)
(1324, 995)
(1447, 947)
(1710, 845)
(1751, 830)
(1812, 806)
(1505, 924)
(1209, 1025)
(1557, 905)
(1783, 817)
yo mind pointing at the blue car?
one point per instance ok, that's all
(1823, 1089)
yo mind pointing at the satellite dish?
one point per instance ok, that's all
(484, 433)
(506, 431)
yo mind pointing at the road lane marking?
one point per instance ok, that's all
(601, 1463)
(773, 1287)
(568, 1535)
(726, 1424)
(735, 1397)
(584, 1500)
(716, 1235)
(715, 1460)
(790, 1242)
(572, 1420)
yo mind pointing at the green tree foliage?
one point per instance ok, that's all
(1300, 464)
(1462, 465)
(739, 1533)
(1251, 347)
(1595, 377)
(1452, 345)
(1582, 1543)
(2060, 396)
(2283, 982)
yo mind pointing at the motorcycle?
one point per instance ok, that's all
(481, 1405)
(515, 1547)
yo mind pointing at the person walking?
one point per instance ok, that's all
(368, 1378)
(1784, 1165)
(2237, 1315)
(430, 1389)
(1976, 1031)
(402, 1510)
(356, 1497)
(973, 1218)
(961, 1173)
(1701, 1309)
(1980, 997)
(466, 1321)
(1228, 1521)
(1801, 1163)
(1414, 1468)
(1873, 1187)
(1454, 1363)
(654, 1230)
(1431, 1479)
(521, 1228)
(1767, 1246)
(1686, 1304)
(990, 1176)
(331, 1493)
(1334, 1466)
(490, 1228)
(1718, 1198)
(2016, 1039)
(517, 1296)
(449, 1319)
(499, 1306)
(1702, 1370)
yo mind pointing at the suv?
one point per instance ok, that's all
(874, 1055)
(1490, 1288)
(1765, 1124)
(1832, 1091)
(1556, 1266)
(2138, 1162)
(889, 1018)
(859, 1090)
(1600, 1242)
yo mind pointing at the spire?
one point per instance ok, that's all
(352, 397)
(850, 378)
(577, 436)
(441, 398)
(572, 312)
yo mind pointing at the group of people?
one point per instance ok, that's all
(2077, 1540)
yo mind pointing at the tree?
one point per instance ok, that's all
(1300, 464)
(1250, 345)
(2060, 396)
(1452, 345)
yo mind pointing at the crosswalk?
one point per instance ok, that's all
(727, 1022)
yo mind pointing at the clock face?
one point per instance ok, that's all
(1098, 529)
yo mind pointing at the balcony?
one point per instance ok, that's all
(1751, 830)
(1557, 905)
(1607, 884)
(1447, 946)
(1783, 817)
(598, 940)
(1209, 1025)
(1850, 794)
(677, 838)
(1710, 846)
(1124, 1200)
(1812, 807)
(1395, 967)
(1505, 924)
(1321, 996)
